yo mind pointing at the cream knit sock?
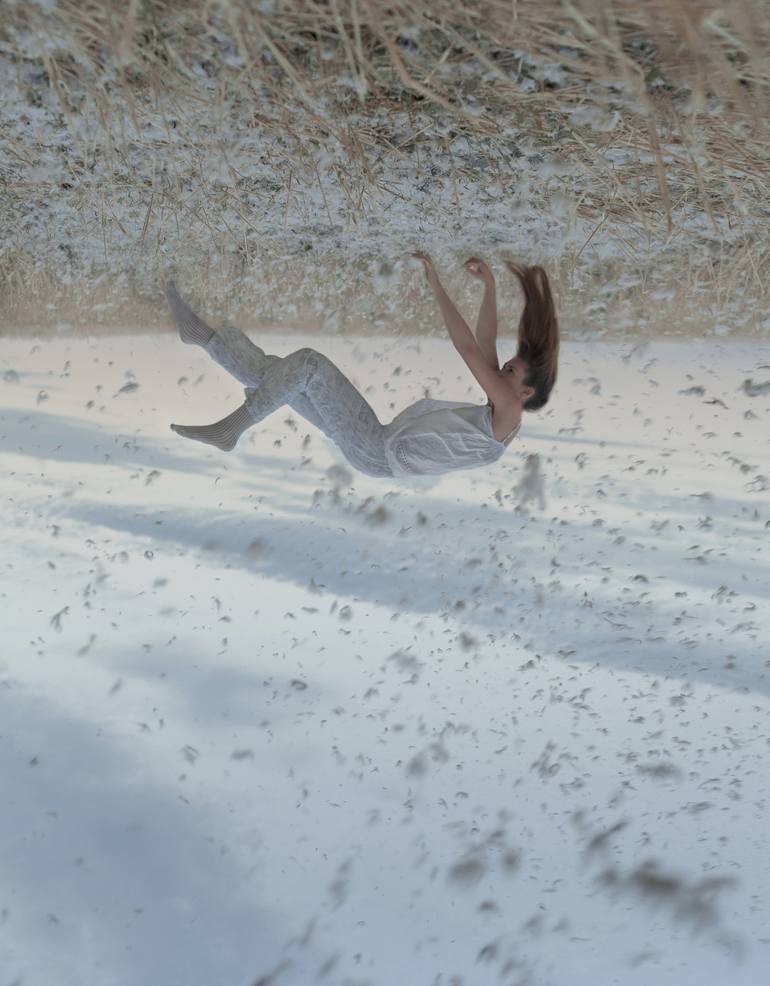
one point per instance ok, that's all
(224, 434)
(192, 329)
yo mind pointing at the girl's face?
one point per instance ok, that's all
(513, 372)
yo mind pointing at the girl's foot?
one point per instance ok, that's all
(192, 329)
(223, 434)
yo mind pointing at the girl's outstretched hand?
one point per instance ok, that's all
(430, 271)
(479, 269)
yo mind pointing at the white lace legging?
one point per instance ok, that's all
(312, 386)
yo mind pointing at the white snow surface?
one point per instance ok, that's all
(268, 720)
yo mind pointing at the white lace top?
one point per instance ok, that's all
(433, 437)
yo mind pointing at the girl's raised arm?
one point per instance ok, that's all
(457, 327)
(486, 324)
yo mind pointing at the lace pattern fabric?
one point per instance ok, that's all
(311, 385)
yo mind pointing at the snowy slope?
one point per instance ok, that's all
(266, 720)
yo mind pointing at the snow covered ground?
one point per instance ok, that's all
(267, 720)
(304, 210)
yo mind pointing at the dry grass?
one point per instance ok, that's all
(690, 84)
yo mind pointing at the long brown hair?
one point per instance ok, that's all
(538, 333)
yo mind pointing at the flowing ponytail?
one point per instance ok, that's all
(538, 333)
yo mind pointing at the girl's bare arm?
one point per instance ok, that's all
(497, 390)
(486, 324)
(458, 329)
(456, 325)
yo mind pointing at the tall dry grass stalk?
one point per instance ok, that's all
(662, 104)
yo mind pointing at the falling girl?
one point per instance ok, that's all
(428, 437)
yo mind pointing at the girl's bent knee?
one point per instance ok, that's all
(309, 358)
